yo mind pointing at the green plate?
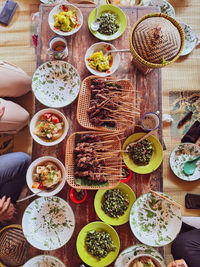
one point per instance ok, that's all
(86, 256)
(106, 218)
(155, 160)
(121, 22)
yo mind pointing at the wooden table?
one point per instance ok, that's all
(147, 87)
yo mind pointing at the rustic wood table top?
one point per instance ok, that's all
(147, 87)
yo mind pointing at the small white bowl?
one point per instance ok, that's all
(57, 9)
(104, 47)
(35, 119)
(37, 162)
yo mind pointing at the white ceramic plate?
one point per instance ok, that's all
(29, 175)
(154, 221)
(44, 261)
(57, 9)
(56, 84)
(132, 252)
(165, 7)
(48, 223)
(105, 47)
(181, 154)
(190, 39)
(34, 122)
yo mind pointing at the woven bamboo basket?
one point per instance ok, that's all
(113, 179)
(84, 103)
(13, 249)
(156, 40)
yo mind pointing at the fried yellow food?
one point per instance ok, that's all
(99, 62)
(66, 21)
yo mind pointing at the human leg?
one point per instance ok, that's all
(14, 117)
(13, 167)
(187, 246)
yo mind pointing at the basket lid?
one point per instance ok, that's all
(13, 247)
(156, 39)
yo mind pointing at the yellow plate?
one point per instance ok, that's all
(106, 218)
(155, 160)
(89, 258)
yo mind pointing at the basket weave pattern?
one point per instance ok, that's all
(84, 103)
(144, 65)
(154, 49)
(13, 246)
(69, 163)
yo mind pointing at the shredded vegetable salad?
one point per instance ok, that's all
(66, 20)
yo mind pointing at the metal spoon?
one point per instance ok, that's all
(119, 50)
(35, 194)
(95, 24)
(25, 198)
(190, 166)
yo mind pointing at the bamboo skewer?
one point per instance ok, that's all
(111, 81)
(103, 158)
(166, 198)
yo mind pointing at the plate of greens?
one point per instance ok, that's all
(112, 22)
(165, 7)
(101, 253)
(154, 221)
(190, 39)
(181, 154)
(44, 260)
(138, 160)
(56, 84)
(113, 206)
(48, 223)
(136, 251)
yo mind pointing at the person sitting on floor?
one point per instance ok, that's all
(14, 83)
(187, 246)
(13, 167)
(177, 263)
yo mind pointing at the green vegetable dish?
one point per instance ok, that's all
(141, 152)
(99, 244)
(115, 203)
(108, 23)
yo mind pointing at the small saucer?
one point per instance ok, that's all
(190, 39)
(73, 196)
(129, 176)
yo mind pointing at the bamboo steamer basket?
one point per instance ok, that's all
(156, 40)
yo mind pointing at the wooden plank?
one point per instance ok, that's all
(147, 87)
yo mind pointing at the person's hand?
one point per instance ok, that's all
(2, 110)
(7, 210)
(177, 263)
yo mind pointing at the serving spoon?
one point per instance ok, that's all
(139, 140)
(95, 24)
(35, 194)
(190, 166)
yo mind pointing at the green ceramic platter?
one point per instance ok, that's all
(89, 258)
(155, 160)
(106, 218)
(121, 22)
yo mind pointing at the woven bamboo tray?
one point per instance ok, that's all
(84, 103)
(69, 163)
